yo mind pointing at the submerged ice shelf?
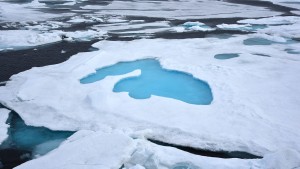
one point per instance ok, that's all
(27, 142)
(39, 140)
(155, 80)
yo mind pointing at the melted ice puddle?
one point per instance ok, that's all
(155, 80)
(225, 56)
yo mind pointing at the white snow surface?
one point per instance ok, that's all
(192, 26)
(288, 3)
(182, 9)
(288, 31)
(88, 150)
(18, 39)
(4, 113)
(283, 26)
(22, 12)
(255, 106)
(275, 20)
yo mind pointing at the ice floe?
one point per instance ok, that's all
(192, 26)
(241, 104)
(18, 39)
(287, 26)
(22, 12)
(114, 150)
(275, 20)
(182, 9)
(252, 78)
(87, 150)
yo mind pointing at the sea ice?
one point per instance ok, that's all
(11, 12)
(87, 150)
(241, 104)
(284, 26)
(182, 9)
(256, 99)
(113, 150)
(19, 39)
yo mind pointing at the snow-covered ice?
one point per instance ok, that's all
(255, 107)
(241, 104)
(278, 25)
(87, 150)
(192, 26)
(23, 12)
(182, 9)
(18, 39)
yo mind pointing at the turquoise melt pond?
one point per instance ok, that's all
(155, 80)
(225, 56)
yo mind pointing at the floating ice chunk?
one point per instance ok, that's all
(200, 28)
(83, 35)
(232, 26)
(179, 29)
(197, 26)
(245, 27)
(192, 26)
(153, 156)
(282, 159)
(25, 38)
(275, 20)
(93, 150)
(4, 113)
(285, 26)
(18, 39)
